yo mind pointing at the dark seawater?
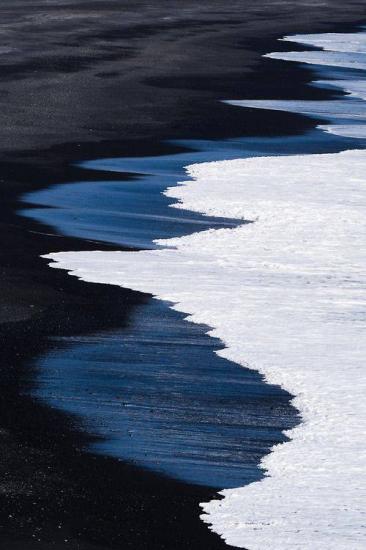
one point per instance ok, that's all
(155, 392)
(133, 212)
(164, 400)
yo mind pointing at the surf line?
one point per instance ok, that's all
(286, 296)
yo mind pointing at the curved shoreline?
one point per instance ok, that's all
(40, 304)
(285, 197)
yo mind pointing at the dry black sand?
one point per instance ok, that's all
(87, 79)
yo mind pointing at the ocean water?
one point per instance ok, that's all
(134, 212)
(156, 394)
(286, 295)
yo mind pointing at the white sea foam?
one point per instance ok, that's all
(354, 42)
(356, 88)
(286, 294)
(339, 50)
(357, 131)
(342, 109)
(332, 59)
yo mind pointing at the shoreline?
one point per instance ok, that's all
(42, 452)
(318, 204)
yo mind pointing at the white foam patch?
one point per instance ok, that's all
(339, 50)
(332, 41)
(331, 59)
(357, 131)
(356, 88)
(286, 295)
(345, 109)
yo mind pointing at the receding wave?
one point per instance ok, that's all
(286, 296)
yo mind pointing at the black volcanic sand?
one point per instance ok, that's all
(91, 79)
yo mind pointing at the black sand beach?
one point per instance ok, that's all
(93, 79)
